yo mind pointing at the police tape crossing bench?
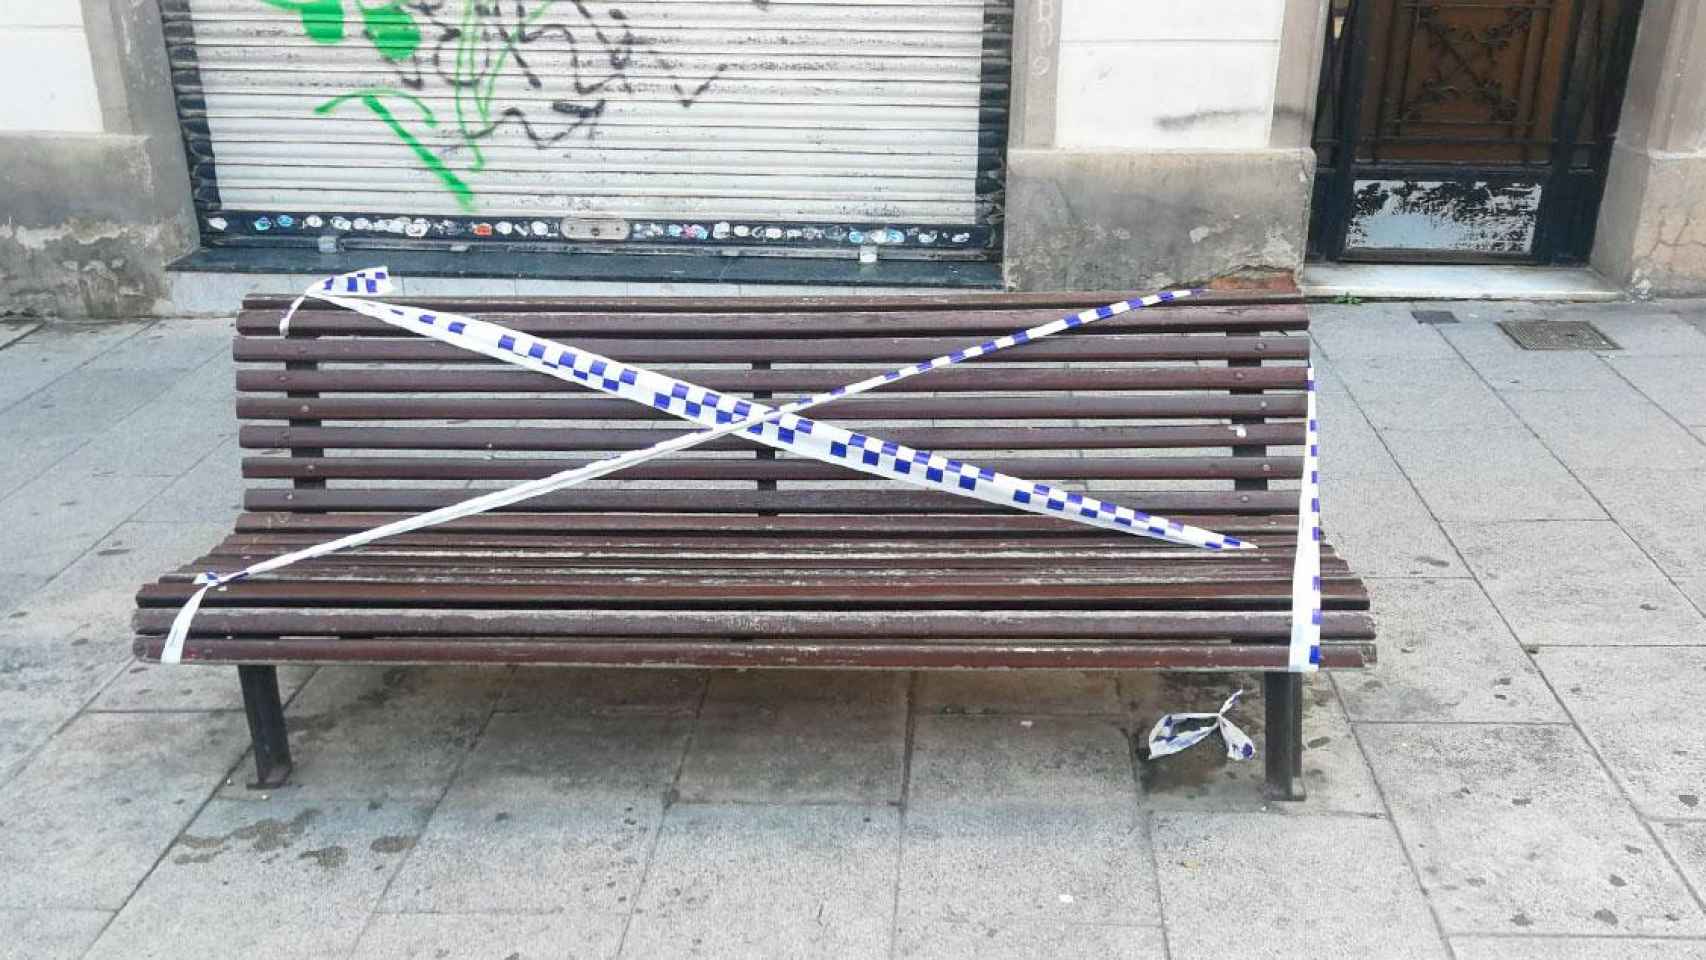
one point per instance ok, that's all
(735, 555)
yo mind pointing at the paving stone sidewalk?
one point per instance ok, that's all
(1521, 777)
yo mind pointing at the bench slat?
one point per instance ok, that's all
(842, 624)
(1049, 437)
(1176, 318)
(583, 406)
(899, 350)
(809, 380)
(1168, 502)
(662, 652)
(1059, 468)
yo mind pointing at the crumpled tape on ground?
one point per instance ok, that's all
(1166, 737)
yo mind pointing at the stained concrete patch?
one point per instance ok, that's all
(1249, 885)
(1687, 843)
(1639, 707)
(1017, 940)
(1026, 692)
(769, 881)
(1576, 583)
(1046, 760)
(435, 936)
(1517, 830)
(49, 934)
(781, 736)
(604, 691)
(551, 813)
(1203, 778)
(86, 820)
(287, 878)
(153, 686)
(389, 733)
(1444, 656)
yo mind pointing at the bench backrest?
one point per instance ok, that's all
(1190, 403)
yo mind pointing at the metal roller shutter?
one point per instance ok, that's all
(791, 124)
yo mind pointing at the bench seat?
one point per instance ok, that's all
(734, 555)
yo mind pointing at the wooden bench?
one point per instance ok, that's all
(733, 555)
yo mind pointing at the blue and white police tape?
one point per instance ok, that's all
(1305, 650)
(1167, 736)
(377, 281)
(782, 428)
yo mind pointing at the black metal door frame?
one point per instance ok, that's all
(1573, 179)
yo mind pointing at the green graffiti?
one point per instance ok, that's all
(322, 20)
(374, 100)
(461, 53)
(392, 31)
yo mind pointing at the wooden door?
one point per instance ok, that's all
(1467, 130)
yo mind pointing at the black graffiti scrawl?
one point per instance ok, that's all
(481, 55)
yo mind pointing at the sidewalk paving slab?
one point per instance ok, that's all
(1594, 587)
(1575, 948)
(1665, 512)
(1260, 886)
(1403, 393)
(789, 736)
(1673, 383)
(768, 882)
(290, 878)
(1640, 708)
(32, 363)
(49, 934)
(988, 940)
(1686, 841)
(1018, 692)
(1445, 656)
(550, 813)
(525, 936)
(1383, 529)
(90, 815)
(1514, 476)
(615, 691)
(1517, 829)
(1614, 429)
(383, 733)
(1508, 368)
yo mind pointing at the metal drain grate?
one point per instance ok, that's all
(1434, 317)
(1556, 335)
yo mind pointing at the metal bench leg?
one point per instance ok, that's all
(1282, 695)
(266, 726)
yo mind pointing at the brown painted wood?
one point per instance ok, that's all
(569, 438)
(1058, 468)
(897, 350)
(994, 409)
(812, 380)
(701, 500)
(320, 320)
(808, 574)
(893, 655)
(1056, 303)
